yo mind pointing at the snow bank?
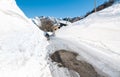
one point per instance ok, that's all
(22, 44)
(96, 39)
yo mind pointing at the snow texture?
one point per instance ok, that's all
(24, 51)
(96, 39)
(22, 44)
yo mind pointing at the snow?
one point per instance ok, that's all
(36, 21)
(22, 44)
(96, 39)
(24, 51)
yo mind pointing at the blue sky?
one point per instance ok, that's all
(56, 8)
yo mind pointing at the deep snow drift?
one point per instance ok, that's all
(22, 44)
(96, 39)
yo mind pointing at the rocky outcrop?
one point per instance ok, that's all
(68, 59)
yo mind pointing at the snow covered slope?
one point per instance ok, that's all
(96, 39)
(22, 44)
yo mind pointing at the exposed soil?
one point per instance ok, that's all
(68, 59)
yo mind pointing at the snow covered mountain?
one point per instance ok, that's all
(45, 23)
